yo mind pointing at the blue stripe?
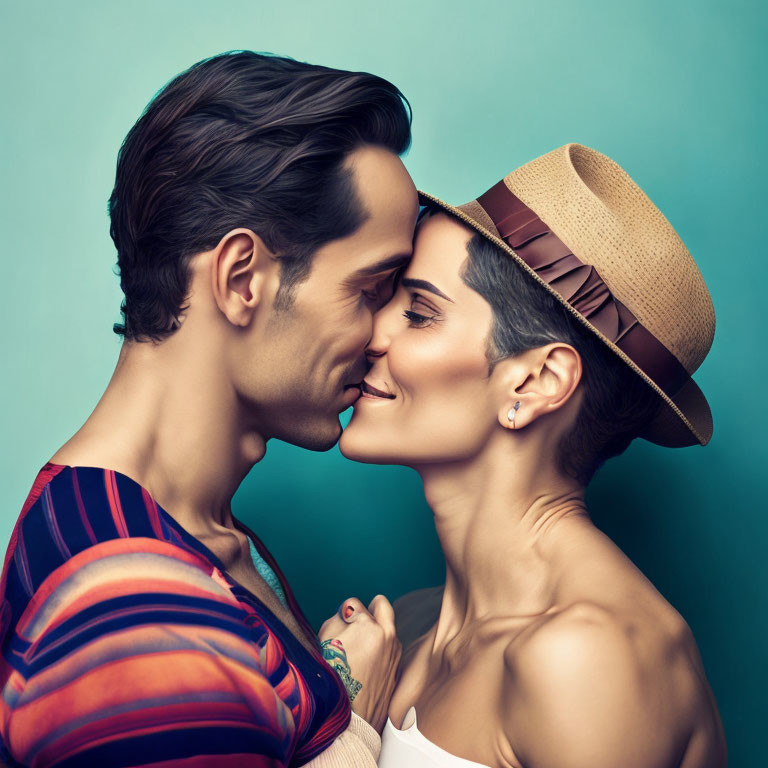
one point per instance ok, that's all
(174, 609)
(181, 743)
(52, 524)
(91, 482)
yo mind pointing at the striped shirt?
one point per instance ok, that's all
(125, 642)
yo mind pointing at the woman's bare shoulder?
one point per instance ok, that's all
(590, 685)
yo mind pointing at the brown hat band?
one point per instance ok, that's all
(581, 286)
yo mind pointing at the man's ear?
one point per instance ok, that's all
(536, 382)
(242, 268)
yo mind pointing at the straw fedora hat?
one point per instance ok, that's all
(577, 223)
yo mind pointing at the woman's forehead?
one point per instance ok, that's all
(440, 248)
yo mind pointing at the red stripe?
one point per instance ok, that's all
(110, 483)
(44, 476)
(81, 508)
(152, 513)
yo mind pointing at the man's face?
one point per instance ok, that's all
(312, 354)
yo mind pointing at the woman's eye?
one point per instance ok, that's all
(416, 319)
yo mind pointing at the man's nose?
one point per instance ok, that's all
(382, 331)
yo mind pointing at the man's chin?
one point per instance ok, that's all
(319, 436)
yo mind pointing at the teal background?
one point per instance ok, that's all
(674, 91)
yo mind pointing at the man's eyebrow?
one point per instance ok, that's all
(411, 282)
(391, 262)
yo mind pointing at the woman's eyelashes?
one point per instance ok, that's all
(418, 320)
(415, 318)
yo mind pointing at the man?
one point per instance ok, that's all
(260, 214)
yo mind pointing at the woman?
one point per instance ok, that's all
(506, 370)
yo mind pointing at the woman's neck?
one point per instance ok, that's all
(501, 521)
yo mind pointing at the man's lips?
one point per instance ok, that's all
(371, 391)
(351, 394)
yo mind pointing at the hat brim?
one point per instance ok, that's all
(687, 419)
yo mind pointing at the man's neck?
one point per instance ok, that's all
(170, 423)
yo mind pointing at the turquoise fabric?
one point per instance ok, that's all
(267, 573)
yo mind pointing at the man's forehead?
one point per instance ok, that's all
(385, 191)
(384, 240)
(355, 259)
(381, 264)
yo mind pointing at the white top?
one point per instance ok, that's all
(409, 748)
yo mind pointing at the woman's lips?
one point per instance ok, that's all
(368, 390)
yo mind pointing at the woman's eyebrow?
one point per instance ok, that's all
(411, 282)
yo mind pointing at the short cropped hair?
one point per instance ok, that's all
(241, 139)
(617, 403)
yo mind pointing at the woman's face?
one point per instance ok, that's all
(428, 355)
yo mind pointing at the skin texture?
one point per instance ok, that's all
(550, 649)
(188, 418)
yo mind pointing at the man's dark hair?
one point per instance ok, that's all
(617, 403)
(242, 139)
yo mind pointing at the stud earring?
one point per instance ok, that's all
(511, 413)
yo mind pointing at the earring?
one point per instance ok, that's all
(512, 412)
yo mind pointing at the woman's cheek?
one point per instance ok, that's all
(415, 362)
(441, 358)
(443, 387)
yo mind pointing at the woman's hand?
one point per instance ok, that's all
(372, 650)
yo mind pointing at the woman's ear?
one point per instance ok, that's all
(536, 382)
(241, 269)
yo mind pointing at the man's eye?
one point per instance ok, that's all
(384, 290)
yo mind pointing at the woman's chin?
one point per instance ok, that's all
(358, 444)
(355, 449)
